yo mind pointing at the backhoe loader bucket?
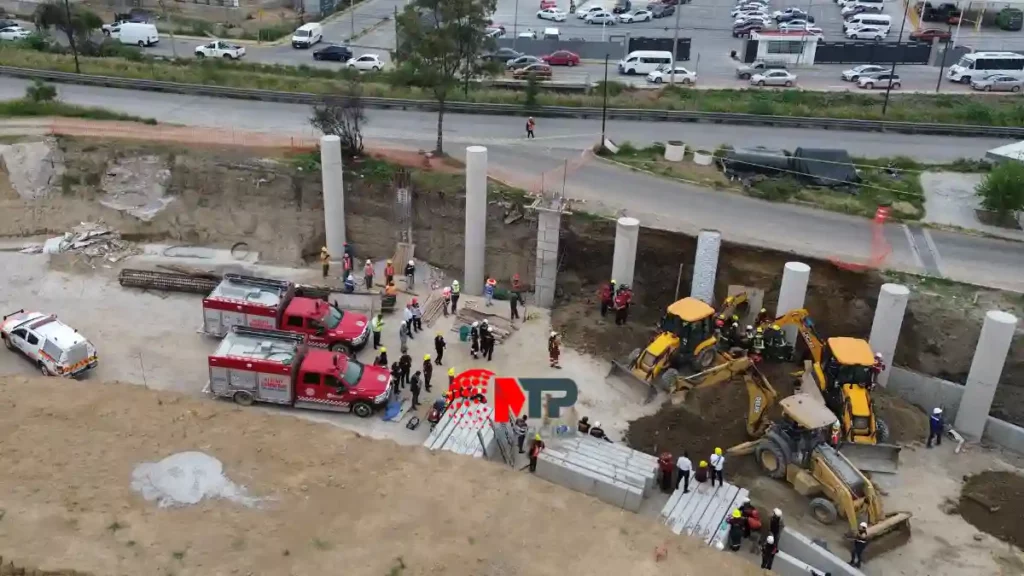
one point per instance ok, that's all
(884, 458)
(889, 534)
(621, 378)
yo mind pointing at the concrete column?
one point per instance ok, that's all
(549, 222)
(885, 328)
(986, 368)
(627, 232)
(792, 293)
(705, 266)
(334, 195)
(476, 220)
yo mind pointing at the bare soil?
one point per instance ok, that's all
(992, 502)
(333, 498)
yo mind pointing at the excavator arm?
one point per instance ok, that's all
(733, 303)
(801, 318)
(761, 394)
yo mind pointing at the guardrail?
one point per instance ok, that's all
(647, 115)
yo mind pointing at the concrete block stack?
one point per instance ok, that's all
(612, 473)
(462, 431)
(702, 512)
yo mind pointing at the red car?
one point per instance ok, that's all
(928, 34)
(561, 58)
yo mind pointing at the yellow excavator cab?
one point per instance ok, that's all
(846, 367)
(852, 351)
(690, 310)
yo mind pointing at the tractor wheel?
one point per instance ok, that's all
(881, 431)
(634, 356)
(824, 510)
(668, 379)
(704, 359)
(772, 457)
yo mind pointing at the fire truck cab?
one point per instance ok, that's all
(277, 304)
(277, 367)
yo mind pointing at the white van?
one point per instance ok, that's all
(645, 61)
(883, 21)
(307, 35)
(136, 33)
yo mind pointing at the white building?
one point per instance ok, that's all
(791, 48)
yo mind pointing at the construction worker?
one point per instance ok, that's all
(775, 525)
(474, 339)
(621, 302)
(748, 338)
(417, 315)
(414, 387)
(451, 377)
(325, 260)
(407, 315)
(757, 343)
(489, 291)
(428, 371)
(346, 262)
(596, 431)
(403, 336)
(521, 427)
(732, 330)
(684, 467)
(515, 299)
(389, 273)
(606, 295)
(877, 368)
(382, 358)
(376, 325)
(350, 284)
(753, 525)
(775, 343)
(936, 426)
(410, 274)
(396, 375)
(446, 299)
(768, 552)
(860, 542)
(535, 449)
(368, 274)
(717, 466)
(456, 289)
(390, 297)
(517, 286)
(486, 340)
(530, 125)
(836, 436)
(553, 349)
(666, 466)
(405, 365)
(736, 523)
(439, 346)
(745, 509)
(701, 475)
(583, 426)
(762, 317)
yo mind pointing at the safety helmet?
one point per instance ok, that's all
(553, 334)
(455, 282)
(750, 328)
(704, 463)
(878, 356)
(414, 302)
(770, 539)
(746, 500)
(863, 525)
(937, 411)
(438, 333)
(451, 371)
(389, 261)
(736, 513)
(484, 321)
(585, 419)
(492, 281)
(735, 318)
(412, 262)
(476, 324)
(426, 356)
(776, 327)
(718, 451)
(536, 436)
(835, 425)
(403, 323)
(324, 249)
(613, 281)
(760, 330)
(763, 311)
(777, 512)
(383, 349)
(597, 424)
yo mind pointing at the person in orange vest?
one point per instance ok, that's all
(622, 300)
(346, 261)
(389, 273)
(368, 273)
(607, 295)
(530, 125)
(553, 349)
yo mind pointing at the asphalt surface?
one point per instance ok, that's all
(656, 201)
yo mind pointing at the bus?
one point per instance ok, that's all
(981, 64)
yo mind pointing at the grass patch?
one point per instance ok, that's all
(24, 107)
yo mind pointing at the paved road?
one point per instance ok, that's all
(656, 201)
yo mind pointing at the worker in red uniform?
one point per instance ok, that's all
(877, 368)
(607, 295)
(554, 349)
(622, 299)
(666, 466)
(346, 262)
(389, 273)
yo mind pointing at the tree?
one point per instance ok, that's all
(76, 23)
(343, 115)
(437, 38)
(1002, 190)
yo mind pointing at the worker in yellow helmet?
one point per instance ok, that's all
(762, 317)
(736, 525)
(717, 466)
(701, 476)
(535, 449)
(428, 371)
(382, 357)
(451, 377)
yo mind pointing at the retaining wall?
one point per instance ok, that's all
(800, 547)
(609, 472)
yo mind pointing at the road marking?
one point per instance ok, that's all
(913, 246)
(934, 250)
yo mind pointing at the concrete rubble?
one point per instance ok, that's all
(34, 169)
(89, 238)
(612, 473)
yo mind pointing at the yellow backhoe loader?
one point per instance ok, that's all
(839, 374)
(795, 449)
(686, 340)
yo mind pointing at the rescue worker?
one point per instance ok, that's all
(622, 300)
(733, 333)
(717, 467)
(489, 291)
(877, 368)
(389, 273)
(666, 466)
(768, 552)
(520, 428)
(836, 435)
(775, 343)
(757, 344)
(382, 358)
(583, 426)
(408, 319)
(446, 299)
(368, 273)
(748, 338)
(684, 467)
(762, 317)
(456, 289)
(515, 299)
(736, 523)
(701, 475)
(428, 371)
(417, 315)
(597, 432)
(325, 260)
(753, 524)
(860, 542)
(390, 297)
(396, 375)
(405, 367)
(745, 509)
(451, 377)
(414, 387)
(530, 125)
(346, 262)
(403, 336)
(410, 274)
(936, 425)
(535, 449)
(350, 284)
(474, 339)
(376, 325)
(775, 525)
(486, 341)
(606, 294)
(517, 285)
(439, 346)
(553, 349)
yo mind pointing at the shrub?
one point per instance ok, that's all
(39, 92)
(1002, 190)
(776, 189)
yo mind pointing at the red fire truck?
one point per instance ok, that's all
(277, 367)
(277, 304)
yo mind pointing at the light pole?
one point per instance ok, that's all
(888, 87)
(675, 49)
(942, 65)
(604, 104)
(515, 26)
(71, 35)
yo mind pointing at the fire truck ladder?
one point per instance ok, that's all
(265, 334)
(282, 285)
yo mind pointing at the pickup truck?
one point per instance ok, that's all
(745, 71)
(54, 347)
(220, 49)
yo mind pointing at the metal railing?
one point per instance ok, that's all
(648, 115)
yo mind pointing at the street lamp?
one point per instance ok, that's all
(604, 104)
(892, 72)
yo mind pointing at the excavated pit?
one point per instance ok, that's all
(992, 502)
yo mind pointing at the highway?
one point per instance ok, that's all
(606, 188)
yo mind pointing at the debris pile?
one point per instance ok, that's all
(991, 502)
(187, 478)
(137, 186)
(89, 238)
(501, 328)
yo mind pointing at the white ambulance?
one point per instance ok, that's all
(54, 347)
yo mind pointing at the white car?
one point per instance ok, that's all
(637, 16)
(774, 78)
(582, 14)
(553, 14)
(683, 76)
(365, 62)
(602, 17)
(762, 19)
(866, 33)
(738, 11)
(54, 347)
(527, 34)
(14, 33)
(220, 49)
(794, 26)
(855, 73)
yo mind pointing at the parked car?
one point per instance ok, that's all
(762, 19)
(55, 348)
(855, 73)
(745, 71)
(814, 30)
(636, 16)
(774, 78)
(501, 55)
(561, 58)
(582, 14)
(663, 10)
(929, 34)
(866, 33)
(683, 76)
(602, 17)
(528, 33)
(791, 14)
(853, 10)
(220, 49)
(997, 83)
(553, 14)
(366, 62)
(495, 31)
(882, 80)
(14, 33)
(307, 35)
(539, 71)
(622, 7)
(744, 29)
(749, 8)
(794, 26)
(946, 12)
(334, 54)
(521, 62)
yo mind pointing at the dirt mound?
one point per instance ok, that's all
(907, 423)
(65, 488)
(992, 501)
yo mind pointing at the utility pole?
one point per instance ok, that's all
(604, 105)
(515, 26)
(352, 19)
(942, 65)
(71, 35)
(174, 49)
(675, 49)
(888, 87)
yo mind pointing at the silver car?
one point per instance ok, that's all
(997, 83)
(774, 78)
(854, 74)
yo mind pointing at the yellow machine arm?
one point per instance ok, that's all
(760, 392)
(801, 318)
(732, 303)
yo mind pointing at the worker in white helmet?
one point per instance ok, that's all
(775, 525)
(860, 542)
(936, 426)
(768, 552)
(474, 339)
(456, 290)
(410, 274)
(554, 349)
(368, 273)
(877, 368)
(597, 432)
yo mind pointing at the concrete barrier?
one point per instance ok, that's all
(1004, 434)
(801, 548)
(786, 565)
(357, 301)
(589, 478)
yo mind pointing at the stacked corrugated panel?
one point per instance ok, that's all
(703, 511)
(465, 431)
(609, 472)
